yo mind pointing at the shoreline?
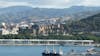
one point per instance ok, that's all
(39, 42)
(48, 45)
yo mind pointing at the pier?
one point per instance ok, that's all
(45, 42)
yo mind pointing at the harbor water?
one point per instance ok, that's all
(36, 50)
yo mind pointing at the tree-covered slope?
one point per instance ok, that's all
(20, 13)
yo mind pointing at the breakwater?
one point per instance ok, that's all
(46, 42)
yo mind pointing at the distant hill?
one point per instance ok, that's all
(92, 22)
(20, 13)
(88, 24)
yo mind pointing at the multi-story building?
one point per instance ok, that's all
(35, 29)
(9, 29)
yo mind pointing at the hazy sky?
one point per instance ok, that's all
(49, 3)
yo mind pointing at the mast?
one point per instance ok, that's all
(54, 51)
(47, 50)
(60, 51)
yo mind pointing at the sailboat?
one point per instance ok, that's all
(53, 52)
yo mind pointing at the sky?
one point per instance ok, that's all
(49, 3)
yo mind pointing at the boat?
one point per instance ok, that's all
(52, 53)
(89, 52)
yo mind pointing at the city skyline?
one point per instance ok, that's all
(49, 3)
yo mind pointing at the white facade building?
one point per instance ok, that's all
(6, 31)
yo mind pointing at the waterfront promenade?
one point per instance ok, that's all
(46, 42)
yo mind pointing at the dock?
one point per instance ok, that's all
(46, 42)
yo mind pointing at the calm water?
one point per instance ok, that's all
(33, 50)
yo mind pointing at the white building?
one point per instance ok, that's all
(7, 31)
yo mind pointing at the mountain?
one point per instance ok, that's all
(92, 22)
(24, 13)
(88, 24)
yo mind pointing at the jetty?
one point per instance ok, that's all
(46, 42)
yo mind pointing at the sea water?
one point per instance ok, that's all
(36, 50)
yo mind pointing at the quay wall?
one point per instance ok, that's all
(45, 42)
